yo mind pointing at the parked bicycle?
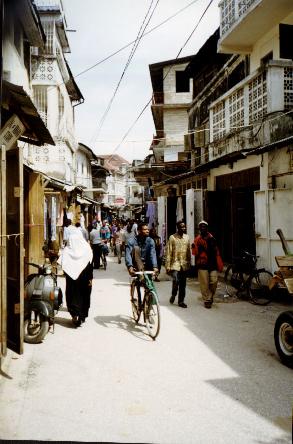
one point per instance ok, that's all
(243, 276)
(148, 304)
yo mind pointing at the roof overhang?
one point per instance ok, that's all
(72, 88)
(16, 101)
(30, 20)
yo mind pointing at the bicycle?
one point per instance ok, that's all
(244, 276)
(149, 305)
(104, 251)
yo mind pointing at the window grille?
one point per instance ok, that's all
(288, 88)
(219, 121)
(244, 5)
(236, 109)
(227, 15)
(49, 28)
(42, 69)
(257, 98)
(40, 101)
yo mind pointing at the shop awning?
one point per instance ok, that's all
(16, 101)
(85, 200)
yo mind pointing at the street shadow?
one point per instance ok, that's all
(122, 284)
(62, 309)
(123, 323)
(4, 374)
(244, 341)
(64, 322)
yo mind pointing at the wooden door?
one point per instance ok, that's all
(15, 250)
(3, 241)
(243, 221)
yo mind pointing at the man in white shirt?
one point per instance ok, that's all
(96, 241)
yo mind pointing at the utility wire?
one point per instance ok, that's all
(140, 34)
(150, 100)
(133, 41)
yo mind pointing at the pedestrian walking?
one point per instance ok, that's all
(83, 231)
(76, 262)
(96, 244)
(68, 229)
(178, 259)
(208, 262)
(118, 238)
(128, 234)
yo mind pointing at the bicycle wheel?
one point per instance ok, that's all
(152, 314)
(134, 299)
(258, 287)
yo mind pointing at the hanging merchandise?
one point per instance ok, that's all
(179, 210)
(151, 214)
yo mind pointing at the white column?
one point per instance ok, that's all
(275, 88)
(53, 110)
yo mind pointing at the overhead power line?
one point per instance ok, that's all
(130, 43)
(150, 100)
(146, 21)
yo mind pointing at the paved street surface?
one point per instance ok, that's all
(212, 376)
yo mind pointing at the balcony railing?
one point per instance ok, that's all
(49, 4)
(264, 92)
(245, 22)
(231, 11)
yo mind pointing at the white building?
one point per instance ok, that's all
(250, 149)
(172, 95)
(55, 94)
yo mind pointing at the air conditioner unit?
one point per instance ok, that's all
(199, 138)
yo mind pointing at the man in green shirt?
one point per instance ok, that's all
(178, 258)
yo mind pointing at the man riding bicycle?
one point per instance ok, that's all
(140, 252)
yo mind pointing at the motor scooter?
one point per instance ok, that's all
(42, 298)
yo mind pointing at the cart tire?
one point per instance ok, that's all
(283, 335)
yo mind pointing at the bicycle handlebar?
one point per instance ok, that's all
(143, 272)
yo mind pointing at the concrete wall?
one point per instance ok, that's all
(269, 42)
(175, 125)
(83, 170)
(170, 95)
(14, 69)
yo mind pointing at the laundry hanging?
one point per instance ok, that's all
(179, 210)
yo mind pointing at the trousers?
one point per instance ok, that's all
(208, 281)
(179, 283)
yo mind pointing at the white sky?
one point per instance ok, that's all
(104, 26)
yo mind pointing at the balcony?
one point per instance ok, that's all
(244, 22)
(49, 5)
(242, 111)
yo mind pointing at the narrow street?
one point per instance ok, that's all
(212, 376)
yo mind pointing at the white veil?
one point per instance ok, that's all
(76, 255)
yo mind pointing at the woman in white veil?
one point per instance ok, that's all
(76, 262)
